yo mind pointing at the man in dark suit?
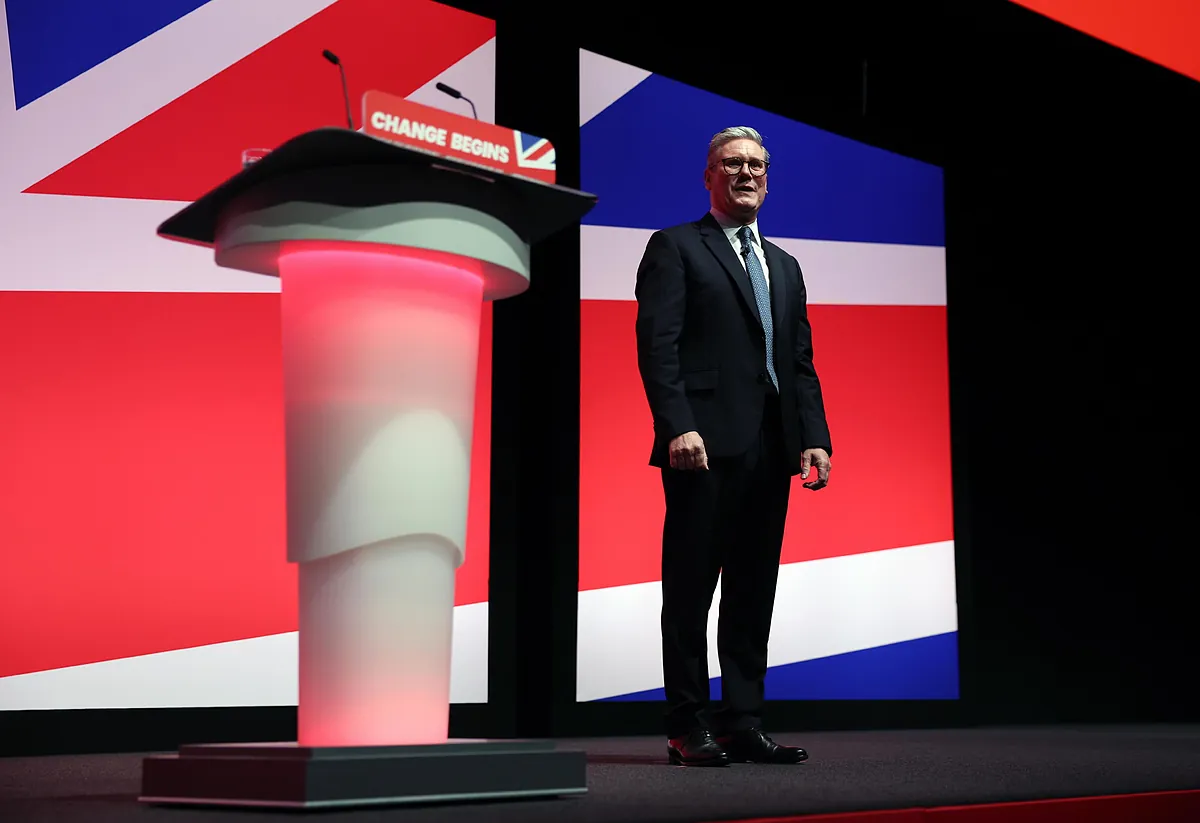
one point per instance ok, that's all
(725, 354)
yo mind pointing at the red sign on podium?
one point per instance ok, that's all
(395, 119)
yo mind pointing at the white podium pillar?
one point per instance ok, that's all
(380, 311)
(380, 349)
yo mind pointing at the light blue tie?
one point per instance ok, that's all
(762, 296)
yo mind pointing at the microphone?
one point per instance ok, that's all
(333, 58)
(457, 95)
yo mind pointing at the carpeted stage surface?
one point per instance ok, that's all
(629, 779)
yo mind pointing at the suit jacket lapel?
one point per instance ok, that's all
(719, 245)
(778, 285)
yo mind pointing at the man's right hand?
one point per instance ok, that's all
(687, 452)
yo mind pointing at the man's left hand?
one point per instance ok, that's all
(818, 458)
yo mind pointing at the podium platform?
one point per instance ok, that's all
(386, 254)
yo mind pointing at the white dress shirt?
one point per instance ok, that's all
(731, 228)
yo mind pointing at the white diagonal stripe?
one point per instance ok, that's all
(602, 82)
(261, 671)
(835, 272)
(822, 608)
(81, 114)
(474, 76)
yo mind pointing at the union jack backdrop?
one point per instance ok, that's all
(866, 605)
(141, 442)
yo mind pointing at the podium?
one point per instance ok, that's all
(385, 254)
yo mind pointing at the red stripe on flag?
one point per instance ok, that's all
(142, 485)
(541, 151)
(885, 376)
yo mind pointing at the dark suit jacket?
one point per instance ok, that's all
(702, 350)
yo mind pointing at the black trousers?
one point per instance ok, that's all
(726, 522)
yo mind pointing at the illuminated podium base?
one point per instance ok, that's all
(289, 776)
(386, 255)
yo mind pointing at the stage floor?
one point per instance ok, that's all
(629, 779)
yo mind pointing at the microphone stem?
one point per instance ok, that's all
(346, 96)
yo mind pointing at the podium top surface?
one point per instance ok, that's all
(533, 209)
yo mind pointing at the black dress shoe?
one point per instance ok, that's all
(696, 749)
(753, 746)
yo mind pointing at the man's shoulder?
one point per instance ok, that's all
(682, 231)
(690, 225)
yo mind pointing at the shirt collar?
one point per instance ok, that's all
(731, 227)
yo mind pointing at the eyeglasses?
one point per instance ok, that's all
(733, 165)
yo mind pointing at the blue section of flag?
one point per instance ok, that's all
(644, 157)
(54, 41)
(924, 669)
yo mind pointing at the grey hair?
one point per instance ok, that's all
(737, 133)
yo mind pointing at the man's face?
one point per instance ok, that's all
(739, 195)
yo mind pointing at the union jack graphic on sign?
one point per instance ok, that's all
(534, 152)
